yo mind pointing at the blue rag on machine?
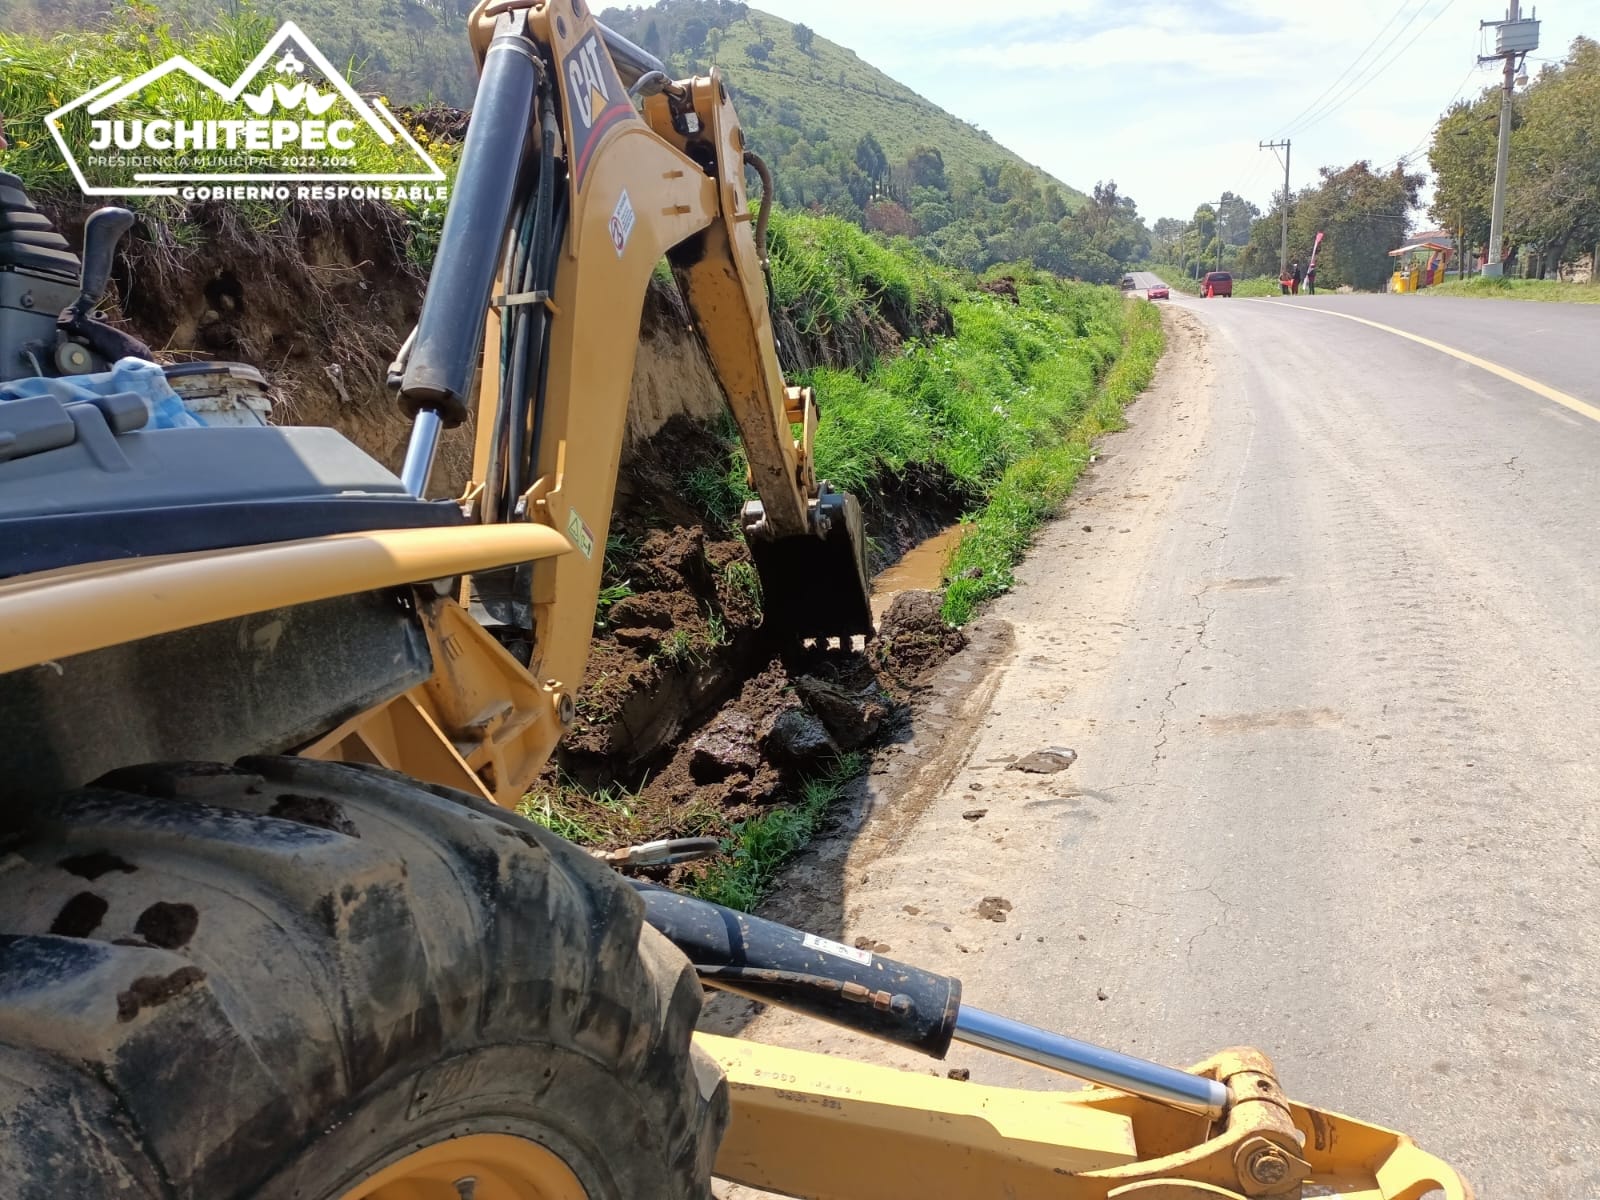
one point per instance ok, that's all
(144, 379)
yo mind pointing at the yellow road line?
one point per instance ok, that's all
(1494, 368)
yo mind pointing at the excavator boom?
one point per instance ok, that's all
(560, 168)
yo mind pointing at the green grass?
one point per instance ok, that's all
(757, 848)
(587, 817)
(1520, 289)
(681, 647)
(744, 581)
(1012, 377)
(830, 277)
(1034, 486)
(1261, 285)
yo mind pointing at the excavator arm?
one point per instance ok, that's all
(576, 179)
(587, 193)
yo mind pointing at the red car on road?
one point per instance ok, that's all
(1157, 292)
(1216, 283)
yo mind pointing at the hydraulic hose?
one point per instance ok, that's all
(764, 215)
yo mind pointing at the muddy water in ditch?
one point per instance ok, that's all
(921, 567)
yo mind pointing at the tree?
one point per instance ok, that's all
(1168, 233)
(1462, 156)
(874, 163)
(804, 35)
(756, 52)
(1553, 198)
(925, 168)
(1235, 215)
(885, 216)
(1364, 215)
(693, 34)
(1553, 190)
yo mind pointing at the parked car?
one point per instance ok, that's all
(1157, 292)
(1127, 283)
(1216, 283)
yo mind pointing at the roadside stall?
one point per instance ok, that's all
(1421, 262)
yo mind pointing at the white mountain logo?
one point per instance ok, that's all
(287, 129)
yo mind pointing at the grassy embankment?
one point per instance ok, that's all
(1006, 409)
(1520, 289)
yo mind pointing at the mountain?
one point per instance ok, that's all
(841, 137)
(784, 74)
(844, 138)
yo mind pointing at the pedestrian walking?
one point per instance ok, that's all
(1311, 280)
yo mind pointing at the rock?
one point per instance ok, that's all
(994, 908)
(960, 1074)
(910, 910)
(852, 719)
(1046, 762)
(975, 814)
(1101, 995)
(799, 739)
(726, 747)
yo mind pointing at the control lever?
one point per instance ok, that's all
(76, 327)
(102, 232)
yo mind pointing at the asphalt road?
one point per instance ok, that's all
(1324, 627)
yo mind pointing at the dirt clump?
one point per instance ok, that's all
(914, 638)
(994, 908)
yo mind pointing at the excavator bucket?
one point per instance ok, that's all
(814, 585)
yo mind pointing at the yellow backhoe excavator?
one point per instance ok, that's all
(269, 927)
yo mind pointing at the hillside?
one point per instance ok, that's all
(843, 138)
(802, 82)
(412, 50)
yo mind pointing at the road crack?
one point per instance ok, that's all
(1169, 702)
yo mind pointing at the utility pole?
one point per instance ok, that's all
(1514, 38)
(1283, 251)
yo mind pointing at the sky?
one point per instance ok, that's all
(1170, 99)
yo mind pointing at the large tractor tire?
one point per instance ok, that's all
(293, 979)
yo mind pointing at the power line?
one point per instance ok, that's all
(1314, 112)
(1427, 137)
(1370, 76)
(1353, 63)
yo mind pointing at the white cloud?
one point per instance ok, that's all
(1170, 98)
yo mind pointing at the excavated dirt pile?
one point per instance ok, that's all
(693, 715)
